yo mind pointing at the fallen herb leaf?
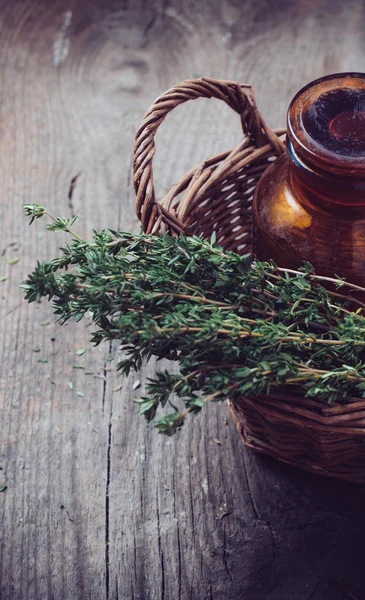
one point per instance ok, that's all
(81, 394)
(81, 351)
(70, 385)
(89, 372)
(12, 261)
(136, 384)
(120, 387)
(224, 514)
(36, 349)
(78, 367)
(3, 488)
(3, 278)
(42, 360)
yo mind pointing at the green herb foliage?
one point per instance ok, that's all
(234, 327)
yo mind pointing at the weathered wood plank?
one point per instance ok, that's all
(98, 505)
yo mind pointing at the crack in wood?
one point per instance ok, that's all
(135, 572)
(71, 189)
(332, 558)
(108, 472)
(324, 574)
(105, 373)
(179, 559)
(225, 562)
(253, 503)
(274, 542)
(107, 557)
(178, 540)
(150, 25)
(192, 508)
(160, 551)
(346, 589)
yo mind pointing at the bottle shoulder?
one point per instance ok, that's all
(277, 202)
(291, 226)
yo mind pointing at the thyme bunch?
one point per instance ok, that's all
(234, 327)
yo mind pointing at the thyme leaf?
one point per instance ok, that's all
(233, 327)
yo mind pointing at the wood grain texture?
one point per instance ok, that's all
(98, 505)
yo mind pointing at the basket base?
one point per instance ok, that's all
(335, 467)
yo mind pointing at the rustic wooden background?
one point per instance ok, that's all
(97, 504)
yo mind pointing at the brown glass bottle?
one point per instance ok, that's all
(310, 203)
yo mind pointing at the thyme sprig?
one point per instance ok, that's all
(233, 327)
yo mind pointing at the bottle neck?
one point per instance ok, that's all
(332, 190)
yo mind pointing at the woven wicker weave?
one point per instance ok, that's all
(217, 196)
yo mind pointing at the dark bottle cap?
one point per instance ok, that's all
(326, 124)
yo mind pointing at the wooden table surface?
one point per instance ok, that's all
(98, 505)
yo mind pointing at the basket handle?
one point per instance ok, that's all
(240, 97)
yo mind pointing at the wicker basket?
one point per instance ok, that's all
(217, 196)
